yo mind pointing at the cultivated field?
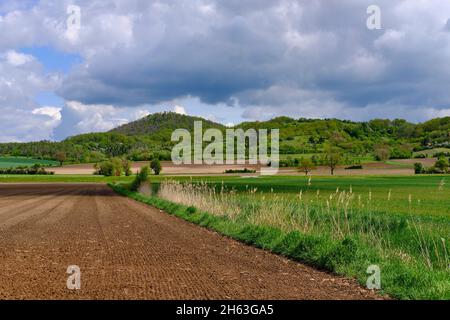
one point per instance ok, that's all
(127, 250)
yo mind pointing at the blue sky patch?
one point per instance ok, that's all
(54, 60)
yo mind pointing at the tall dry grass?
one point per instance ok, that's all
(338, 215)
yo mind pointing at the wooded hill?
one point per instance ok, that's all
(150, 137)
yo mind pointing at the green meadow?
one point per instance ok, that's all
(14, 162)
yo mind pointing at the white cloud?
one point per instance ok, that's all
(16, 59)
(179, 109)
(80, 118)
(21, 118)
(52, 112)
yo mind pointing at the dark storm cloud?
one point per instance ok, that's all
(218, 50)
(299, 58)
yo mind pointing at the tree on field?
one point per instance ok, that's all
(117, 167)
(126, 165)
(306, 165)
(61, 157)
(155, 165)
(333, 157)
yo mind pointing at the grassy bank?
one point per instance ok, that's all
(337, 237)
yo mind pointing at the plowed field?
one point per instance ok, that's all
(127, 250)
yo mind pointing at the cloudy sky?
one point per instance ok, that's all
(228, 61)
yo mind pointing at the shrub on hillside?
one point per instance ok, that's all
(398, 153)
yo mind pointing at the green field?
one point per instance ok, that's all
(14, 162)
(341, 224)
(430, 194)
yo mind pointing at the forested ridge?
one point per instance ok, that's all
(150, 136)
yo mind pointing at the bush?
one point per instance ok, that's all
(290, 162)
(355, 167)
(104, 168)
(113, 167)
(442, 164)
(141, 177)
(155, 165)
(441, 154)
(418, 168)
(397, 153)
(245, 170)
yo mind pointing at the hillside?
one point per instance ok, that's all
(162, 124)
(150, 137)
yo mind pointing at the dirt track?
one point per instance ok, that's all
(127, 250)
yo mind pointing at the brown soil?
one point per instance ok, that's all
(427, 162)
(127, 250)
